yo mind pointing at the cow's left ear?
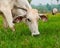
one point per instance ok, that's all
(43, 17)
(18, 19)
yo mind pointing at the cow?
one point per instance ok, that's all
(21, 8)
(54, 11)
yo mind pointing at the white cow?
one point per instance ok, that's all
(54, 11)
(7, 7)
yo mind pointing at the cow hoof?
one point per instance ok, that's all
(13, 29)
(35, 34)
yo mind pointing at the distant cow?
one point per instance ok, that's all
(54, 11)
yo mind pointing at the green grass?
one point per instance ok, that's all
(21, 38)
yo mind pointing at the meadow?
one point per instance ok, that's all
(49, 34)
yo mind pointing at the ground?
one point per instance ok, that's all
(49, 35)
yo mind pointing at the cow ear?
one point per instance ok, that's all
(18, 19)
(43, 17)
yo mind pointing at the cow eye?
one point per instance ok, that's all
(29, 20)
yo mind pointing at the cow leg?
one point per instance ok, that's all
(8, 15)
(5, 22)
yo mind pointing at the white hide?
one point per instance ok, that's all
(7, 5)
(55, 10)
(33, 16)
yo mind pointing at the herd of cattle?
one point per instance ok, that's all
(15, 11)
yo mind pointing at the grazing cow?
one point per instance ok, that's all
(7, 7)
(23, 11)
(19, 8)
(28, 14)
(54, 11)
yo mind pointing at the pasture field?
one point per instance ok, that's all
(49, 35)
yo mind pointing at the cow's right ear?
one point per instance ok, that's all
(18, 19)
(43, 17)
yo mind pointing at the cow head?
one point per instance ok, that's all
(31, 19)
